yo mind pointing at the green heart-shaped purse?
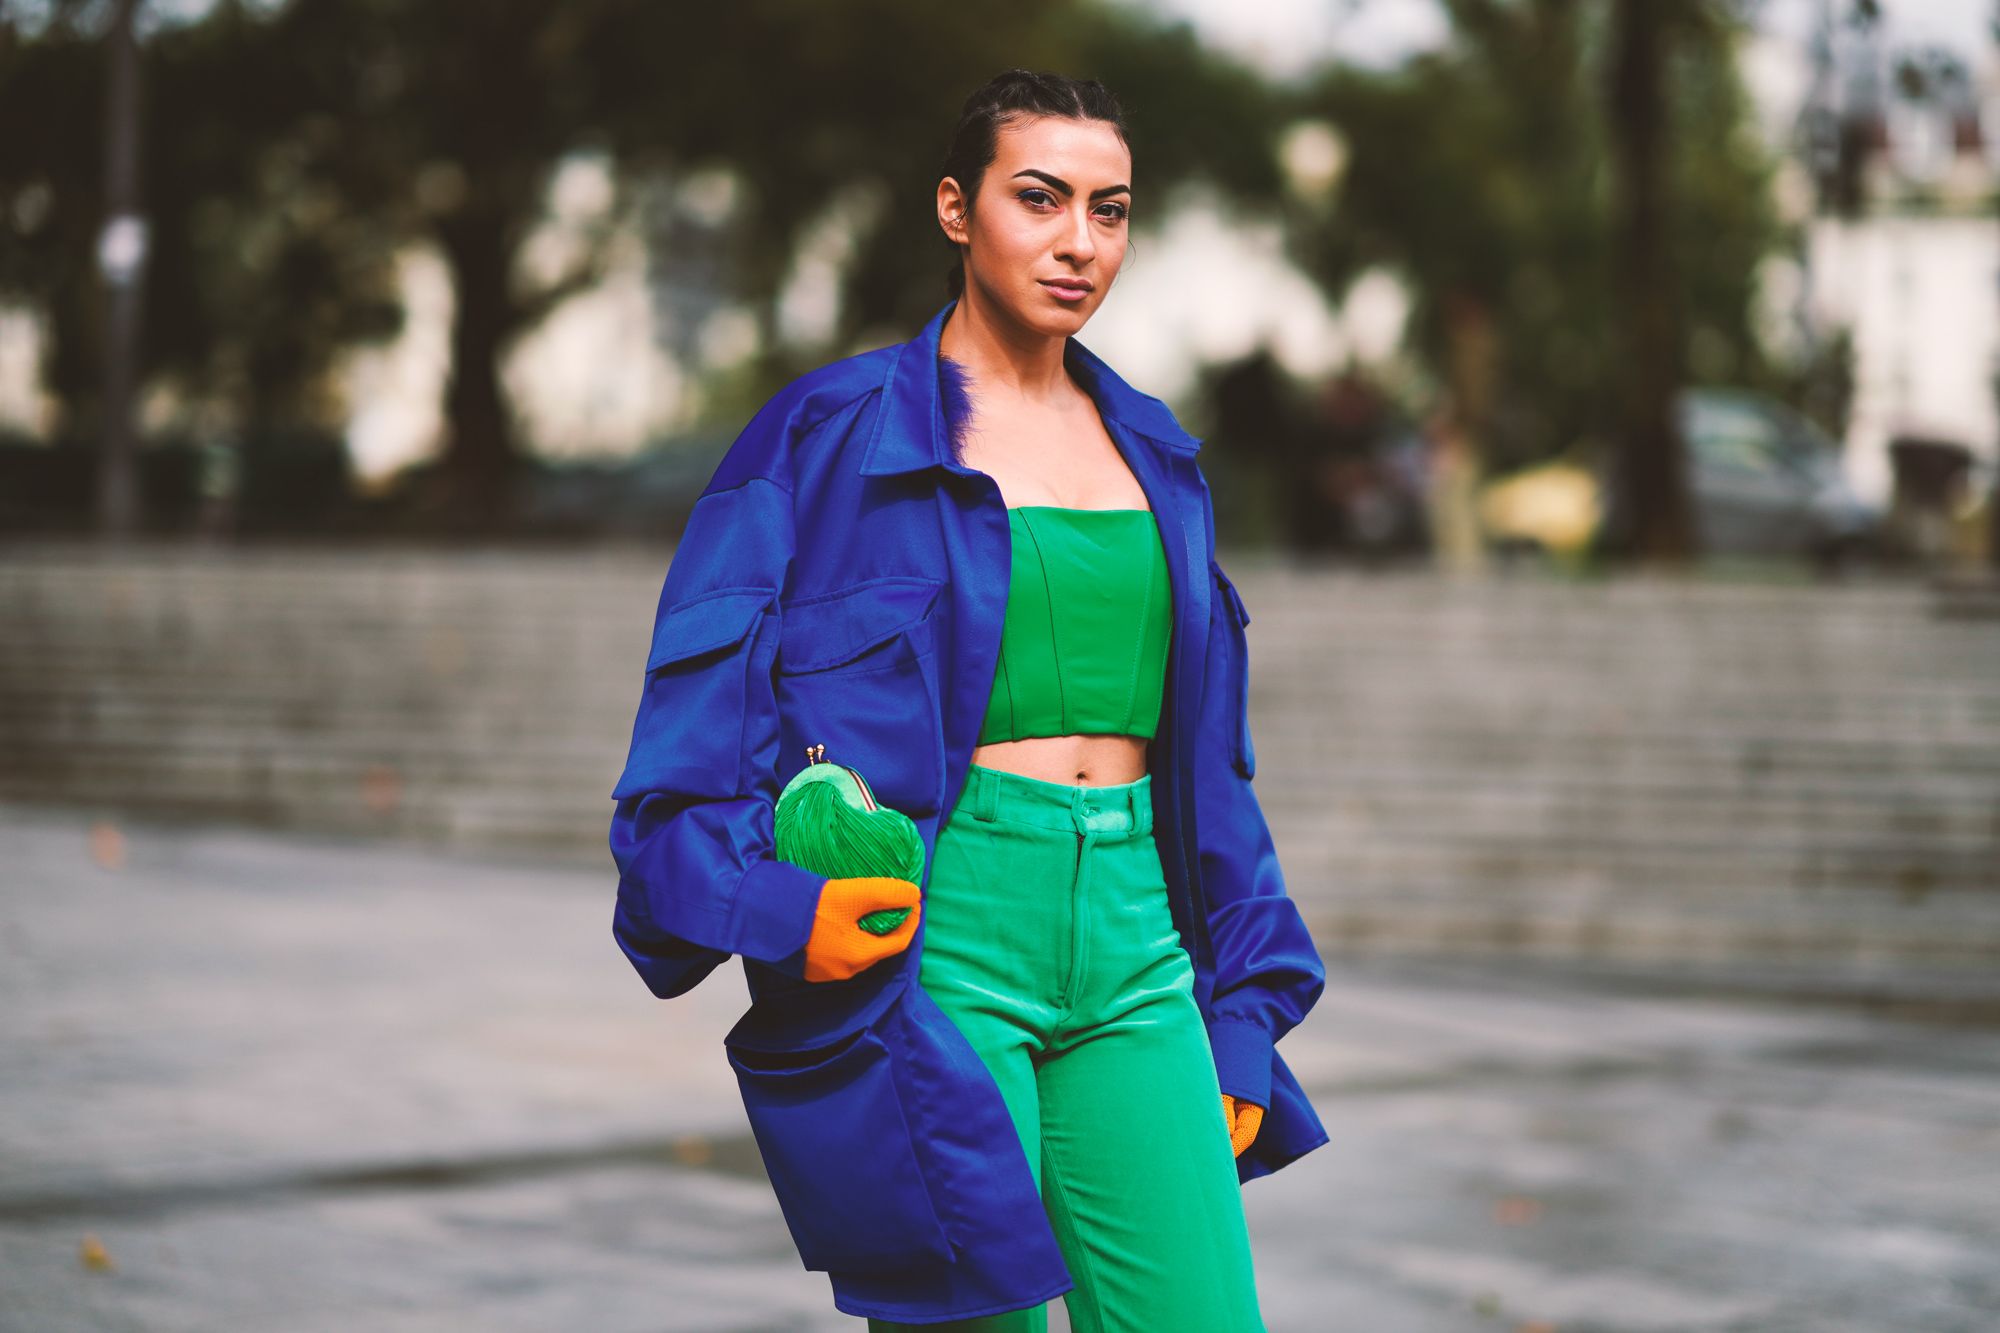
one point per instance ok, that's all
(829, 822)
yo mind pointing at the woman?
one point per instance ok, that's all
(979, 568)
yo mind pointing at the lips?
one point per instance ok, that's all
(1068, 289)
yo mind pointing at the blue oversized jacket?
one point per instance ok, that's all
(843, 581)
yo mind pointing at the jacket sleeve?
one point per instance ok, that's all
(1268, 974)
(692, 830)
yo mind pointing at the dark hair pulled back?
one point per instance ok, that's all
(1009, 96)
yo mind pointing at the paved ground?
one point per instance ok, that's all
(299, 1084)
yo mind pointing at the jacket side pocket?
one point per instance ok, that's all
(829, 1122)
(983, 1183)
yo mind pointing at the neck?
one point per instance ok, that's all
(1003, 355)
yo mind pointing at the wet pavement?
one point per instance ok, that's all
(262, 1081)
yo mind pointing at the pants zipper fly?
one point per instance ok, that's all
(1076, 923)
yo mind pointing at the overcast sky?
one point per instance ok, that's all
(1285, 36)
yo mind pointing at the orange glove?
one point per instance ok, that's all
(838, 947)
(1242, 1119)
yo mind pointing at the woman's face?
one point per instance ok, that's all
(1047, 236)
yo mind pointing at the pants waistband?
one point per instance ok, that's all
(996, 794)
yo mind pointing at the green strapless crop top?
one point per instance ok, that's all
(1089, 612)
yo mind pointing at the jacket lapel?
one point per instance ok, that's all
(1166, 477)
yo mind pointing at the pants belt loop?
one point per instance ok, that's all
(985, 796)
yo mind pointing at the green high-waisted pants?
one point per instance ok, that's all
(1049, 941)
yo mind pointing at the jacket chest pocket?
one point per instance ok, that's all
(1234, 617)
(696, 710)
(827, 1111)
(857, 672)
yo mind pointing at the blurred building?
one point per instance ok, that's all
(1893, 181)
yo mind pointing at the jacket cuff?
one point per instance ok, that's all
(668, 964)
(771, 917)
(1242, 1052)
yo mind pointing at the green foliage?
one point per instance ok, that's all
(258, 274)
(1481, 174)
(290, 151)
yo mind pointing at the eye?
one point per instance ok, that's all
(1110, 211)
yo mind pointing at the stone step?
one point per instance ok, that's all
(1399, 857)
(1703, 750)
(1635, 767)
(1755, 786)
(1684, 939)
(1344, 842)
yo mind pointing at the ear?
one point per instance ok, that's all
(951, 209)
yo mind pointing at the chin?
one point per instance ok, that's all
(1048, 317)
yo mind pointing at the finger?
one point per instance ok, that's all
(1249, 1117)
(881, 891)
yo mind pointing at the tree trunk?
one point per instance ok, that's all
(481, 458)
(1652, 476)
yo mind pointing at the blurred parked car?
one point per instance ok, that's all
(1764, 480)
(1552, 509)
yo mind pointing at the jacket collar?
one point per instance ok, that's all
(910, 430)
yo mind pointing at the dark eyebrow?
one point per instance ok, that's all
(1067, 188)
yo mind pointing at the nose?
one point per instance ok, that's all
(1078, 245)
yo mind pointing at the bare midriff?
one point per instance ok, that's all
(1091, 761)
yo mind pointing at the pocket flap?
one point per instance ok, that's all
(711, 621)
(1242, 751)
(831, 628)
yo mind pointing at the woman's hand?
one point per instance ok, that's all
(838, 947)
(1243, 1118)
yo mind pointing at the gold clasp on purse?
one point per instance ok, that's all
(816, 754)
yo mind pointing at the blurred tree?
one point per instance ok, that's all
(52, 198)
(1482, 174)
(813, 110)
(297, 148)
(444, 122)
(268, 270)
(841, 123)
(257, 279)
